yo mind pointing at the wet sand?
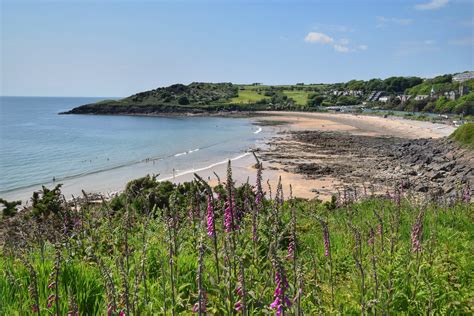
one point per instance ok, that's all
(322, 187)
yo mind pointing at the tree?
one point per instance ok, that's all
(183, 100)
(9, 207)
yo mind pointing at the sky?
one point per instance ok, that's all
(117, 48)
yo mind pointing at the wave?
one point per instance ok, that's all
(204, 168)
(258, 130)
(186, 152)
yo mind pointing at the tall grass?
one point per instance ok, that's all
(143, 254)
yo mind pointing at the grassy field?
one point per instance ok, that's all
(248, 96)
(300, 97)
(161, 249)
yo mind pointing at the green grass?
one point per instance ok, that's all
(247, 96)
(299, 96)
(436, 279)
(464, 134)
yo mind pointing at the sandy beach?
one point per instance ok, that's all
(243, 165)
(322, 188)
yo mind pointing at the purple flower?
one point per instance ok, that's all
(466, 196)
(327, 244)
(210, 217)
(371, 237)
(416, 232)
(203, 304)
(259, 191)
(280, 297)
(291, 250)
(228, 214)
(238, 306)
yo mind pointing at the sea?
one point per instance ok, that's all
(39, 147)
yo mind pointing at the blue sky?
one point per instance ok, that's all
(116, 48)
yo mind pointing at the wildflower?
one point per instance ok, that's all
(51, 285)
(238, 306)
(466, 196)
(416, 233)
(210, 217)
(281, 300)
(259, 191)
(34, 308)
(203, 304)
(51, 299)
(327, 244)
(109, 309)
(371, 237)
(291, 250)
(229, 215)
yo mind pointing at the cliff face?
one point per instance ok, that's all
(195, 97)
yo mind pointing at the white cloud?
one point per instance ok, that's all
(341, 48)
(432, 5)
(341, 45)
(383, 21)
(467, 41)
(316, 37)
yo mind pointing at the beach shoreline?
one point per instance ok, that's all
(275, 124)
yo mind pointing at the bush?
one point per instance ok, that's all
(464, 134)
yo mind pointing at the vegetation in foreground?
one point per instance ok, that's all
(163, 249)
(464, 135)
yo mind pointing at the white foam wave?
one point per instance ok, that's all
(180, 154)
(258, 130)
(204, 168)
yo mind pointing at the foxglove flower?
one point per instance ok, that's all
(466, 196)
(210, 217)
(203, 304)
(281, 300)
(327, 244)
(416, 232)
(371, 237)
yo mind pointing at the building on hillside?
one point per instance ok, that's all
(421, 97)
(256, 84)
(403, 97)
(464, 76)
(385, 99)
(451, 95)
(374, 95)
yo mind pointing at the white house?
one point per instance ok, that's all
(421, 97)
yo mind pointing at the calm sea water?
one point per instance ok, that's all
(37, 144)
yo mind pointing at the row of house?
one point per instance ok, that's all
(383, 97)
(353, 93)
